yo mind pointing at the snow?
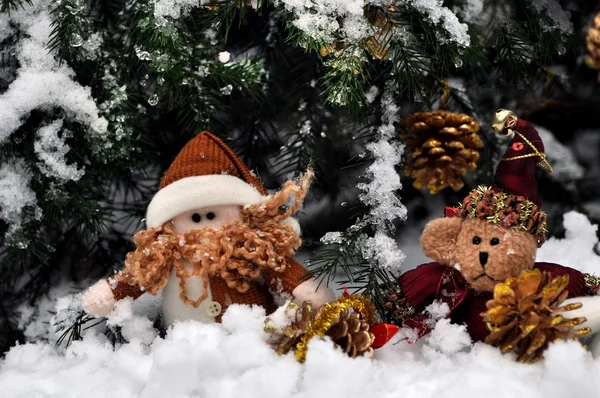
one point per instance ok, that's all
(51, 150)
(565, 166)
(319, 19)
(173, 8)
(559, 18)
(472, 10)
(457, 31)
(576, 250)
(379, 193)
(232, 359)
(224, 57)
(16, 195)
(41, 82)
(383, 251)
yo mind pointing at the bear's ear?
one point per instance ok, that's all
(439, 237)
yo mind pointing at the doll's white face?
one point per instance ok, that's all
(207, 217)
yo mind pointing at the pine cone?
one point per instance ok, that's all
(351, 333)
(444, 146)
(347, 328)
(521, 315)
(286, 339)
(592, 59)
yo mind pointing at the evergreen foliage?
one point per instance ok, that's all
(287, 86)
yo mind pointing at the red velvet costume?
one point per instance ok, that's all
(434, 281)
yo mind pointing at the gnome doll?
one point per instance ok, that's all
(491, 237)
(214, 238)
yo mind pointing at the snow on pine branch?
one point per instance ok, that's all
(16, 195)
(558, 18)
(380, 192)
(318, 19)
(41, 82)
(457, 31)
(51, 150)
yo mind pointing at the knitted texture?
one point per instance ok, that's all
(261, 294)
(208, 155)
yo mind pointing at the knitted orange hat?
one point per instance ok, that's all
(205, 173)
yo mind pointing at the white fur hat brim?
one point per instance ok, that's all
(197, 192)
(202, 191)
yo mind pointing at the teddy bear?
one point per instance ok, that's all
(214, 238)
(492, 236)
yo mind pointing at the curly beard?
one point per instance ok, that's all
(238, 252)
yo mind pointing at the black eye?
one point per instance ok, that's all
(196, 217)
(494, 241)
(210, 215)
(476, 240)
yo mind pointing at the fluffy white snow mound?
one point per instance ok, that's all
(233, 359)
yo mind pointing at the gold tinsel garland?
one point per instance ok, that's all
(309, 323)
(505, 210)
(523, 314)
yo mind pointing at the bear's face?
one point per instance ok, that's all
(484, 253)
(488, 254)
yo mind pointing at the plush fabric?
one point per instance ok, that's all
(435, 281)
(311, 290)
(438, 240)
(198, 192)
(99, 299)
(450, 241)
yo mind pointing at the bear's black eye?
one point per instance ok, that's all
(210, 215)
(196, 217)
(494, 241)
(476, 240)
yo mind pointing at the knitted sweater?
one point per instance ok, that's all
(259, 293)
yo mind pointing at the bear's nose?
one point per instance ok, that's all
(483, 257)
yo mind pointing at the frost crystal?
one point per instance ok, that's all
(51, 150)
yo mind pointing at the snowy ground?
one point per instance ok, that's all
(233, 360)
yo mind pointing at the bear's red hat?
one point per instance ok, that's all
(512, 201)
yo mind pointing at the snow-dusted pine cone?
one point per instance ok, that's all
(347, 321)
(522, 317)
(443, 147)
(592, 59)
(351, 333)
